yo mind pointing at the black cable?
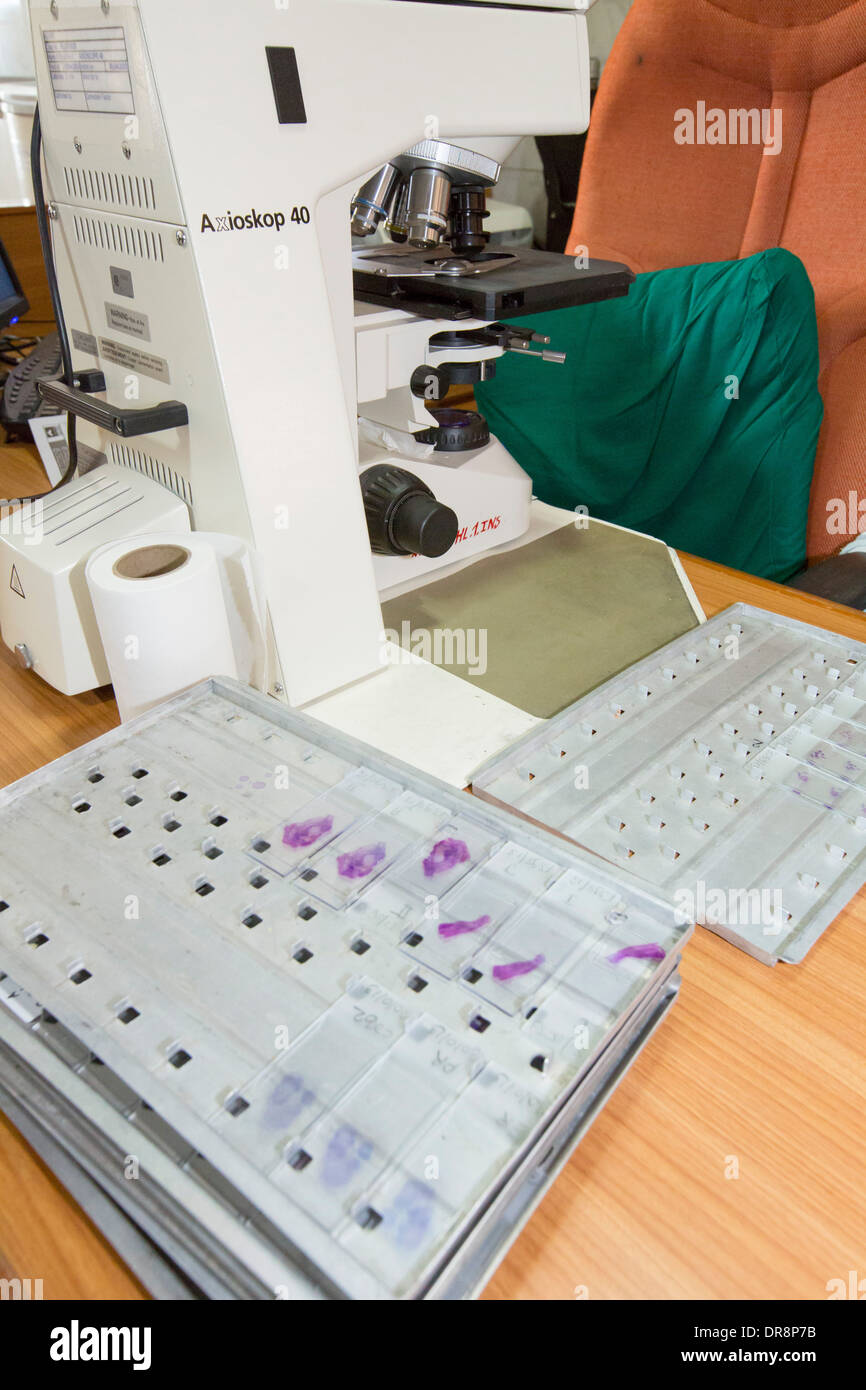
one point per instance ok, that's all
(10, 343)
(68, 374)
(47, 250)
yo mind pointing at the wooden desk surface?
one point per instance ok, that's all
(755, 1066)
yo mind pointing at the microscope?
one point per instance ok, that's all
(209, 168)
(435, 292)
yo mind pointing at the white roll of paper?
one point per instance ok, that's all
(173, 610)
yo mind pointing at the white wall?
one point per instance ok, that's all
(603, 23)
(16, 56)
(522, 178)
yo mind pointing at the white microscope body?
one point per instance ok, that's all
(200, 162)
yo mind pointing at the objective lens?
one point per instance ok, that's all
(397, 226)
(427, 209)
(468, 211)
(370, 203)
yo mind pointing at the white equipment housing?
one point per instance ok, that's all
(201, 234)
(46, 613)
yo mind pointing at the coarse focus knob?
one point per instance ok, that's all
(403, 516)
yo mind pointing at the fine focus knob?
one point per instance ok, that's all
(403, 516)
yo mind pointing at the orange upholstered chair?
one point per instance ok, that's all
(649, 198)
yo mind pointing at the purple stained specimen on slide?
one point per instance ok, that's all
(345, 1153)
(517, 967)
(650, 951)
(448, 929)
(410, 1217)
(358, 863)
(445, 855)
(286, 1101)
(301, 834)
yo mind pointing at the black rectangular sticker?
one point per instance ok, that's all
(286, 83)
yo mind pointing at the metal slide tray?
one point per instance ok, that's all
(727, 770)
(345, 1021)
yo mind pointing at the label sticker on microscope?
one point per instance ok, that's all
(121, 281)
(128, 320)
(85, 342)
(135, 359)
(89, 69)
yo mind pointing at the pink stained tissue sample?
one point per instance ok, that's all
(445, 855)
(517, 967)
(650, 951)
(448, 929)
(358, 863)
(301, 834)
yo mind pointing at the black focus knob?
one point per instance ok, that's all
(403, 516)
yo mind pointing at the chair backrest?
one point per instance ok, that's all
(681, 165)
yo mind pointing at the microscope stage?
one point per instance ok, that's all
(534, 282)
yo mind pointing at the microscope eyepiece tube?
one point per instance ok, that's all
(371, 202)
(427, 208)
